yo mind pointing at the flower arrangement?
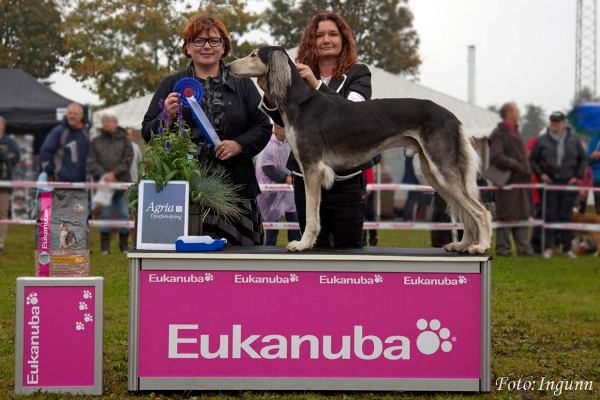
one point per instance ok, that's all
(170, 155)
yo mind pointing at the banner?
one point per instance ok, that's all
(59, 335)
(242, 324)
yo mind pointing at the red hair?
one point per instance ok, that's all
(307, 51)
(200, 23)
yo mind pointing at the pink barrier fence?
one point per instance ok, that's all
(367, 225)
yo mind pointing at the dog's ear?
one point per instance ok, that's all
(280, 75)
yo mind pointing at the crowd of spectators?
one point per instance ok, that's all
(557, 157)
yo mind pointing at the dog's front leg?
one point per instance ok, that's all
(313, 177)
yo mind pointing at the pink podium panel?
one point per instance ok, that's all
(198, 326)
(59, 335)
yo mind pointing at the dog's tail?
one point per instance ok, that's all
(470, 161)
(328, 175)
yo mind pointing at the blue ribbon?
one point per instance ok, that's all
(191, 92)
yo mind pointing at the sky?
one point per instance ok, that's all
(525, 50)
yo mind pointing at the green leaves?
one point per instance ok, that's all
(31, 37)
(121, 49)
(210, 186)
(535, 121)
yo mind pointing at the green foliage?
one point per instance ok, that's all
(585, 95)
(383, 29)
(121, 49)
(31, 36)
(170, 156)
(237, 20)
(535, 120)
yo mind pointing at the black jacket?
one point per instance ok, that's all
(544, 158)
(9, 157)
(243, 123)
(358, 79)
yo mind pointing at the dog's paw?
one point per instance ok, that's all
(452, 247)
(477, 249)
(298, 245)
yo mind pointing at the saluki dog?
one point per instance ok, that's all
(330, 133)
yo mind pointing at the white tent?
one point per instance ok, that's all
(478, 121)
(130, 113)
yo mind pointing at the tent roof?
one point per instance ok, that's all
(26, 103)
(478, 122)
(130, 113)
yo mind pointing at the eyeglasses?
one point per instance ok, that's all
(212, 42)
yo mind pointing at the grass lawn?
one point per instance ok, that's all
(545, 323)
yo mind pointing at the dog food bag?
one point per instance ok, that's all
(62, 234)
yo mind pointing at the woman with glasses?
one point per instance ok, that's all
(327, 61)
(231, 105)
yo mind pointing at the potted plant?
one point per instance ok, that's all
(171, 155)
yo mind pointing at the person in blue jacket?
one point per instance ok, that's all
(594, 161)
(63, 155)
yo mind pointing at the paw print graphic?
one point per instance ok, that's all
(462, 280)
(87, 294)
(79, 326)
(432, 337)
(32, 299)
(83, 305)
(294, 278)
(208, 277)
(88, 317)
(378, 278)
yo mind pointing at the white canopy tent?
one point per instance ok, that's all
(130, 113)
(478, 121)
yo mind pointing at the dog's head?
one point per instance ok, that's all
(271, 62)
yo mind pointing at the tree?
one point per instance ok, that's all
(121, 49)
(238, 22)
(382, 29)
(535, 121)
(494, 108)
(583, 96)
(31, 37)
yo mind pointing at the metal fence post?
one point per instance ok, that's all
(378, 193)
(543, 238)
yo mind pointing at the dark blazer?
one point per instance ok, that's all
(243, 123)
(516, 204)
(358, 79)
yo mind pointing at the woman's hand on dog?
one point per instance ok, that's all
(307, 74)
(227, 149)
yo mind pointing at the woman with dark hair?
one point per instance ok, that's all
(231, 105)
(327, 61)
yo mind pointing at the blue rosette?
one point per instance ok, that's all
(190, 93)
(189, 87)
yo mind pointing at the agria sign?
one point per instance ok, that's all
(358, 344)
